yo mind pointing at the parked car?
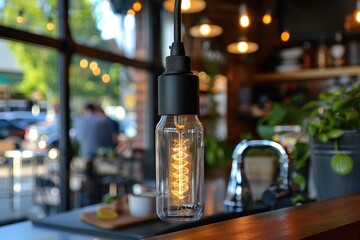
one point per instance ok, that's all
(41, 137)
(13, 124)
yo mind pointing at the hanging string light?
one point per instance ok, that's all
(20, 18)
(285, 36)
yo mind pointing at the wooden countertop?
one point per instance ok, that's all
(337, 218)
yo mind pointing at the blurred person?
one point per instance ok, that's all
(93, 132)
(114, 125)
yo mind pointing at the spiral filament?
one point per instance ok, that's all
(180, 169)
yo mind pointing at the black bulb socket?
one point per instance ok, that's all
(178, 89)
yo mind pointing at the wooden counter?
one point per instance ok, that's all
(337, 218)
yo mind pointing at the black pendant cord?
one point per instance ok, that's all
(177, 21)
(177, 48)
(178, 88)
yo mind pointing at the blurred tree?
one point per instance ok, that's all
(40, 65)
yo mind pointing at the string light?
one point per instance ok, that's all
(20, 18)
(84, 63)
(50, 25)
(137, 6)
(131, 12)
(93, 65)
(285, 36)
(267, 18)
(105, 78)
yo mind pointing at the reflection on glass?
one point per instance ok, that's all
(29, 87)
(120, 90)
(40, 17)
(110, 27)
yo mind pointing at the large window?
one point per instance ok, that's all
(50, 66)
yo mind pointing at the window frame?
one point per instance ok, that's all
(67, 47)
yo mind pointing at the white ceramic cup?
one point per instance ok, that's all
(142, 205)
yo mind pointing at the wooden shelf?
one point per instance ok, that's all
(307, 74)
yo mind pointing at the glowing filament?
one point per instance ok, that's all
(179, 169)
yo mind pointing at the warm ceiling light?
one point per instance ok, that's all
(205, 30)
(244, 19)
(187, 6)
(357, 12)
(285, 36)
(242, 47)
(137, 6)
(267, 18)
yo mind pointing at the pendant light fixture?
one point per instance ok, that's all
(205, 30)
(243, 46)
(187, 6)
(244, 19)
(357, 12)
(179, 137)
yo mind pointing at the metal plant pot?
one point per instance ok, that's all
(328, 183)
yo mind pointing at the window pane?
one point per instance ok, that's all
(120, 93)
(109, 25)
(28, 77)
(40, 17)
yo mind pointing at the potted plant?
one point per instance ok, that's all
(334, 127)
(284, 125)
(217, 156)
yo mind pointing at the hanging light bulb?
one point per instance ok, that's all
(357, 12)
(20, 18)
(179, 138)
(205, 30)
(243, 46)
(285, 36)
(244, 19)
(267, 18)
(187, 6)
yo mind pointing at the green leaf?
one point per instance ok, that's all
(342, 164)
(300, 181)
(323, 137)
(313, 128)
(338, 104)
(335, 133)
(352, 114)
(310, 105)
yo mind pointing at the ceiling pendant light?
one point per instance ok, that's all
(179, 137)
(243, 46)
(357, 12)
(244, 19)
(205, 30)
(187, 6)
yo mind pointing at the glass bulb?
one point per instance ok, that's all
(244, 21)
(205, 29)
(179, 168)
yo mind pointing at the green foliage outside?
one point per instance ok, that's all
(40, 65)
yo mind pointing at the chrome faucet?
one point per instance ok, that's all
(238, 196)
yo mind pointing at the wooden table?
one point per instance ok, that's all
(337, 218)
